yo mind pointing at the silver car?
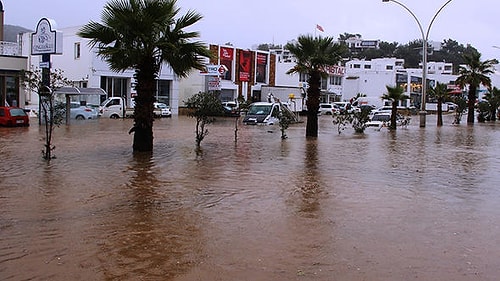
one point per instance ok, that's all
(80, 112)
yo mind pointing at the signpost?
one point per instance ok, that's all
(213, 72)
(46, 41)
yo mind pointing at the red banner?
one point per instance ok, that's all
(245, 65)
(261, 68)
(226, 56)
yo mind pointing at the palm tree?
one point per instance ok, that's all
(493, 98)
(314, 55)
(143, 34)
(394, 94)
(474, 73)
(441, 93)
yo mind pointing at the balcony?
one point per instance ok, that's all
(10, 49)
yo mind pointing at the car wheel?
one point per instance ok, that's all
(80, 117)
(114, 116)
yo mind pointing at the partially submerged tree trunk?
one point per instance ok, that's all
(439, 112)
(313, 94)
(470, 104)
(143, 111)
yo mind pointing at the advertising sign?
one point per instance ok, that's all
(214, 83)
(245, 65)
(214, 70)
(226, 56)
(261, 69)
(46, 40)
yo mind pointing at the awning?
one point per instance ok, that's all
(77, 91)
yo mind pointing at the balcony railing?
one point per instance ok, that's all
(10, 48)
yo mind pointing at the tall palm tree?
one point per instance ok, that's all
(314, 55)
(394, 94)
(441, 93)
(493, 98)
(141, 35)
(474, 73)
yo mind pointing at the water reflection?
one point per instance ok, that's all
(379, 206)
(152, 233)
(310, 185)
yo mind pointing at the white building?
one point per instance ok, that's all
(371, 78)
(85, 69)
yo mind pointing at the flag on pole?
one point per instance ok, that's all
(320, 28)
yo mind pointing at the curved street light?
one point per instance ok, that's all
(425, 38)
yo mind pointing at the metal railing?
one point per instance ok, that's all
(10, 48)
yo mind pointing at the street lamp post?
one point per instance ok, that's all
(425, 38)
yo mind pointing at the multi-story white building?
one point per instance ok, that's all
(85, 69)
(371, 77)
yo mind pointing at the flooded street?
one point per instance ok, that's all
(415, 204)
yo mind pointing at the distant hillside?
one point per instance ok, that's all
(10, 32)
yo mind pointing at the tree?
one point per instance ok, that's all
(440, 93)
(52, 112)
(461, 107)
(493, 98)
(314, 55)
(394, 94)
(474, 74)
(203, 107)
(143, 34)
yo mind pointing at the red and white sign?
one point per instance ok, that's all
(214, 83)
(214, 70)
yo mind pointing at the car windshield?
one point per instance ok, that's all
(17, 112)
(162, 105)
(381, 117)
(259, 109)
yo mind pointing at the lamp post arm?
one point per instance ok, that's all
(435, 16)
(414, 16)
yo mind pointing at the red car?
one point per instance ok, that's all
(13, 116)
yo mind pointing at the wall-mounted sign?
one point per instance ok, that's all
(214, 83)
(46, 40)
(214, 70)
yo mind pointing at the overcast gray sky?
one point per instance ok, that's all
(248, 23)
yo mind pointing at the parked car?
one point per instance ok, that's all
(328, 109)
(451, 106)
(230, 108)
(13, 116)
(231, 104)
(344, 107)
(379, 120)
(161, 110)
(81, 112)
(382, 119)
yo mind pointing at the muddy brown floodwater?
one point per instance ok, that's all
(416, 204)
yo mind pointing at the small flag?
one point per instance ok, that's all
(320, 28)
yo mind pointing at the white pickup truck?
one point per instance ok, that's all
(115, 107)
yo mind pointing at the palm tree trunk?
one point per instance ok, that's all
(439, 113)
(394, 113)
(143, 111)
(470, 104)
(313, 94)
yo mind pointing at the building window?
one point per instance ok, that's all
(389, 67)
(77, 50)
(336, 80)
(368, 66)
(357, 66)
(115, 86)
(303, 77)
(163, 92)
(324, 84)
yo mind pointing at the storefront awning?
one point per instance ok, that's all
(76, 91)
